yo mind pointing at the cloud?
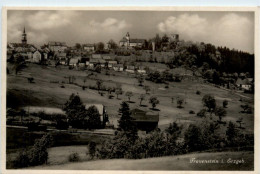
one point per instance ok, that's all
(49, 20)
(110, 25)
(230, 30)
(15, 24)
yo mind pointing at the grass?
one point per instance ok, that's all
(44, 93)
(180, 162)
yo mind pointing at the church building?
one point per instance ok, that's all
(128, 42)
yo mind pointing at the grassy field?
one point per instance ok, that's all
(46, 91)
(181, 162)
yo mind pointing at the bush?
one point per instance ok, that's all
(202, 113)
(35, 155)
(92, 149)
(74, 157)
(225, 103)
(191, 112)
(198, 92)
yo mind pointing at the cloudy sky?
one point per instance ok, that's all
(231, 29)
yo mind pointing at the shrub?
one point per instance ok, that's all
(92, 149)
(198, 92)
(191, 112)
(36, 155)
(179, 103)
(74, 157)
(225, 103)
(202, 113)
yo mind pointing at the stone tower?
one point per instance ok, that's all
(128, 39)
(24, 37)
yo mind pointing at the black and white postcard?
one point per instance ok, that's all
(131, 89)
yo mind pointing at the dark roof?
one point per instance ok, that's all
(143, 116)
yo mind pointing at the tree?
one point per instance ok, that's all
(112, 44)
(147, 89)
(202, 113)
(220, 112)
(19, 64)
(225, 103)
(129, 94)
(126, 123)
(179, 103)
(154, 101)
(118, 92)
(92, 149)
(93, 118)
(173, 131)
(209, 102)
(142, 97)
(99, 84)
(100, 46)
(75, 111)
(140, 79)
(231, 132)
(78, 46)
(193, 138)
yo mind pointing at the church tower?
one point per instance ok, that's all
(24, 37)
(128, 39)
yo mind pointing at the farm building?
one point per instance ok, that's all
(111, 63)
(145, 120)
(102, 112)
(141, 70)
(118, 67)
(130, 69)
(89, 47)
(244, 84)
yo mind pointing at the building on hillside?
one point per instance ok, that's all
(57, 46)
(128, 42)
(88, 47)
(130, 69)
(141, 70)
(111, 63)
(37, 57)
(244, 84)
(61, 55)
(118, 67)
(102, 112)
(145, 120)
(96, 56)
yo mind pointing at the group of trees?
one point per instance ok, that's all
(80, 117)
(210, 103)
(127, 143)
(163, 77)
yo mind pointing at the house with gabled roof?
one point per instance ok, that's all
(145, 120)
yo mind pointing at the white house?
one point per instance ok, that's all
(89, 47)
(118, 67)
(130, 69)
(111, 63)
(37, 57)
(141, 70)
